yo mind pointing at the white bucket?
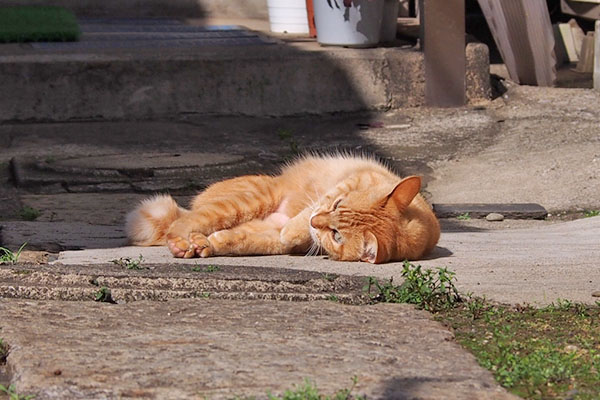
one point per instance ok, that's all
(355, 26)
(288, 16)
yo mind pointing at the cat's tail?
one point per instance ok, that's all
(147, 225)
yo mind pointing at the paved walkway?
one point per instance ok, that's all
(534, 145)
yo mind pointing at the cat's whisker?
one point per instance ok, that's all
(314, 250)
(311, 249)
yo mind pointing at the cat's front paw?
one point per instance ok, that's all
(294, 238)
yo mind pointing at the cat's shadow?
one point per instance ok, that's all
(438, 252)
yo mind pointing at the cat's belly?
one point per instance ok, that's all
(279, 218)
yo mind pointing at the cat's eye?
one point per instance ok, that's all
(337, 237)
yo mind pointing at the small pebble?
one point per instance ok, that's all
(596, 293)
(494, 217)
(571, 348)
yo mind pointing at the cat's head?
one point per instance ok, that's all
(362, 224)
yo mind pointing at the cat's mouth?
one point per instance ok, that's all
(314, 235)
(314, 232)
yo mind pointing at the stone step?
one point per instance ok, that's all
(161, 282)
(146, 69)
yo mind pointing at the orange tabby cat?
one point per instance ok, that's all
(351, 207)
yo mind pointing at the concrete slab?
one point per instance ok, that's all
(222, 349)
(546, 151)
(536, 266)
(474, 210)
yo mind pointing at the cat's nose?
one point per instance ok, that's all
(318, 221)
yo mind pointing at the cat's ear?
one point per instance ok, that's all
(404, 193)
(370, 249)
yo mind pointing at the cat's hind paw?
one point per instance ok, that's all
(179, 247)
(195, 246)
(200, 245)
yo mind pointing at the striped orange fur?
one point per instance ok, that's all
(352, 207)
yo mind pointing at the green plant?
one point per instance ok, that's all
(309, 391)
(330, 277)
(287, 136)
(591, 213)
(333, 297)
(22, 272)
(8, 257)
(3, 351)
(428, 289)
(104, 295)
(476, 306)
(129, 263)
(12, 394)
(567, 305)
(208, 268)
(29, 213)
(464, 217)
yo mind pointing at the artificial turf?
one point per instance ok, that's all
(37, 24)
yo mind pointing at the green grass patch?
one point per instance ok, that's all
(432, 290)
(536, 353)
(37, 24)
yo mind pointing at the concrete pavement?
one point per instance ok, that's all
(229, 330)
